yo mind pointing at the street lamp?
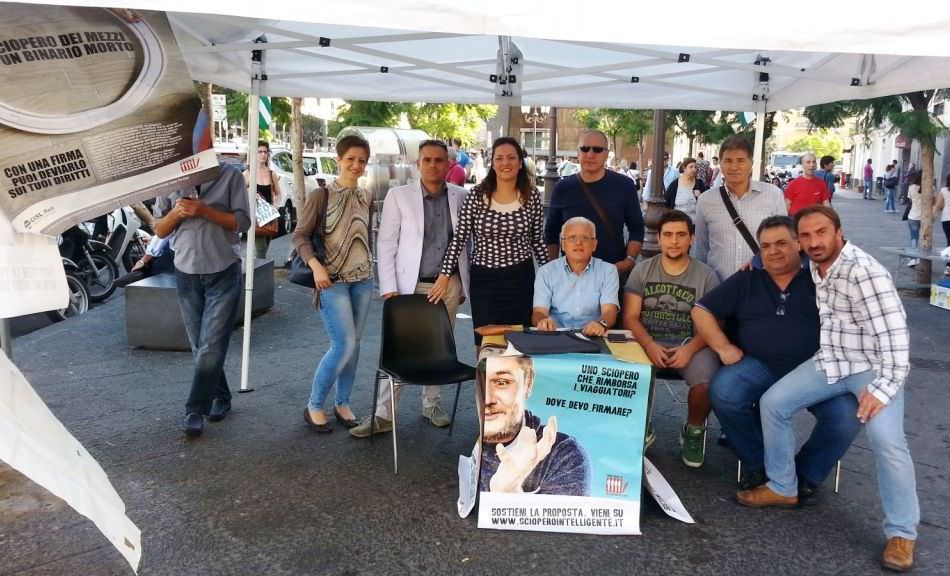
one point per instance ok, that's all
(535, 114)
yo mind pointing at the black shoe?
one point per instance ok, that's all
(318, 428)
(808, 494)
(194, 424)
(219, 409)
(753, 479)
(346, 422)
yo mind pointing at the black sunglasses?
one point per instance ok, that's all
(595, 149)
(782, 299)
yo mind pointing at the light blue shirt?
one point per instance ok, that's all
(573, 301)
(670, 173)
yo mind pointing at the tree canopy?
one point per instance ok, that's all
(460, 121)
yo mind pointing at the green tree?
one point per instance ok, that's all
(908, 114)
(822, 142)
(367, 113)
(694, 124)
(445, 121)
(637, 125)
(631, 125)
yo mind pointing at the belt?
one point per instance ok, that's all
(428, 280)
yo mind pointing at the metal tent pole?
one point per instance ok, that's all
(257, 77)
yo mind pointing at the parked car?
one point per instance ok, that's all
(320, 165)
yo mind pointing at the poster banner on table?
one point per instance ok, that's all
(97, 110)
(562, 444)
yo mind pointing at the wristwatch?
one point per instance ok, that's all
(631, 258)
(604, 324)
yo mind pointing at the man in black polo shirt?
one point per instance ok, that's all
(613, 192)
(772, 320)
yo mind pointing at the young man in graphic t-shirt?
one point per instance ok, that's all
(659, 296)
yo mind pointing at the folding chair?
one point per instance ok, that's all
(418, 348)
(837, 474)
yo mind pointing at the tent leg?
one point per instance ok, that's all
(759, 140)
(254, 98)
(5, 338)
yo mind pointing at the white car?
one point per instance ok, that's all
(315, 166)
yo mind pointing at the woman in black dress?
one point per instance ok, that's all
(503, 216)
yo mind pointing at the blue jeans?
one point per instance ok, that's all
(734, 394)
(914, 226)
(868, 188)
(343, 308)
(805, 386)
(208, 305)
(889, 194)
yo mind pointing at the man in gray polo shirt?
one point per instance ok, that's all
(206, 221)
(718, 242)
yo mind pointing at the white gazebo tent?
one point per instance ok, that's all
(537, 53)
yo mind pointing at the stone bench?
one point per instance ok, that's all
(153, 318)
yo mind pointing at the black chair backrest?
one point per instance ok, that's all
(416, 331)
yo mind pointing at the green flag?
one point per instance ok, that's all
(264, 113)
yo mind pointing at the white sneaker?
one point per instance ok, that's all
(912, 262)
(436, 416)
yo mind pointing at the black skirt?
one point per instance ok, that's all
(501, 295)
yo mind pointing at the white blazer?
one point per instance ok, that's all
(399, 242)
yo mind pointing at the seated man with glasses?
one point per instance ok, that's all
(656, 309)
(576, 291)
(772, 322)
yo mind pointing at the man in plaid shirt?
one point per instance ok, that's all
(864, 350)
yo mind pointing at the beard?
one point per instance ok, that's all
(508, 429)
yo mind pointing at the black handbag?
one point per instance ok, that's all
(300, 272)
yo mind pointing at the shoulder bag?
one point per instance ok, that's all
(737, 221)
(300, 272)
(600, 213)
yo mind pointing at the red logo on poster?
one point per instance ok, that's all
(901, 141)
(189, 164)
(615, 485)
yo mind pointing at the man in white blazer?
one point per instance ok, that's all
(414, 233)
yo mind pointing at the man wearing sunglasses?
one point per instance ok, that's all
(606, 198)
(772, 320)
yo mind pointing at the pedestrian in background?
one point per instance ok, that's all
(868, 180)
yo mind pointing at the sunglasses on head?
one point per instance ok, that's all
(594, 149)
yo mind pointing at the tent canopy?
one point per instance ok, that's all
(414, 51)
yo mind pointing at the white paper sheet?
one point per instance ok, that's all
(468, 480)
(663, 493)
(31, 274)
(34, 442)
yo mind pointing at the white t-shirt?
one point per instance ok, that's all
(945, 214)
(685, 199)
(913, 194)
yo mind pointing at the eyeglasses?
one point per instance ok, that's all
(782, 299)
(576, 239)
(594, 149)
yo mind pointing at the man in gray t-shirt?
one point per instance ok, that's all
(206, 221)
(659, 296)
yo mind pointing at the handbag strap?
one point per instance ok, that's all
(737, 221)
(600, 211)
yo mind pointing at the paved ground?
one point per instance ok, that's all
(260, 494)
